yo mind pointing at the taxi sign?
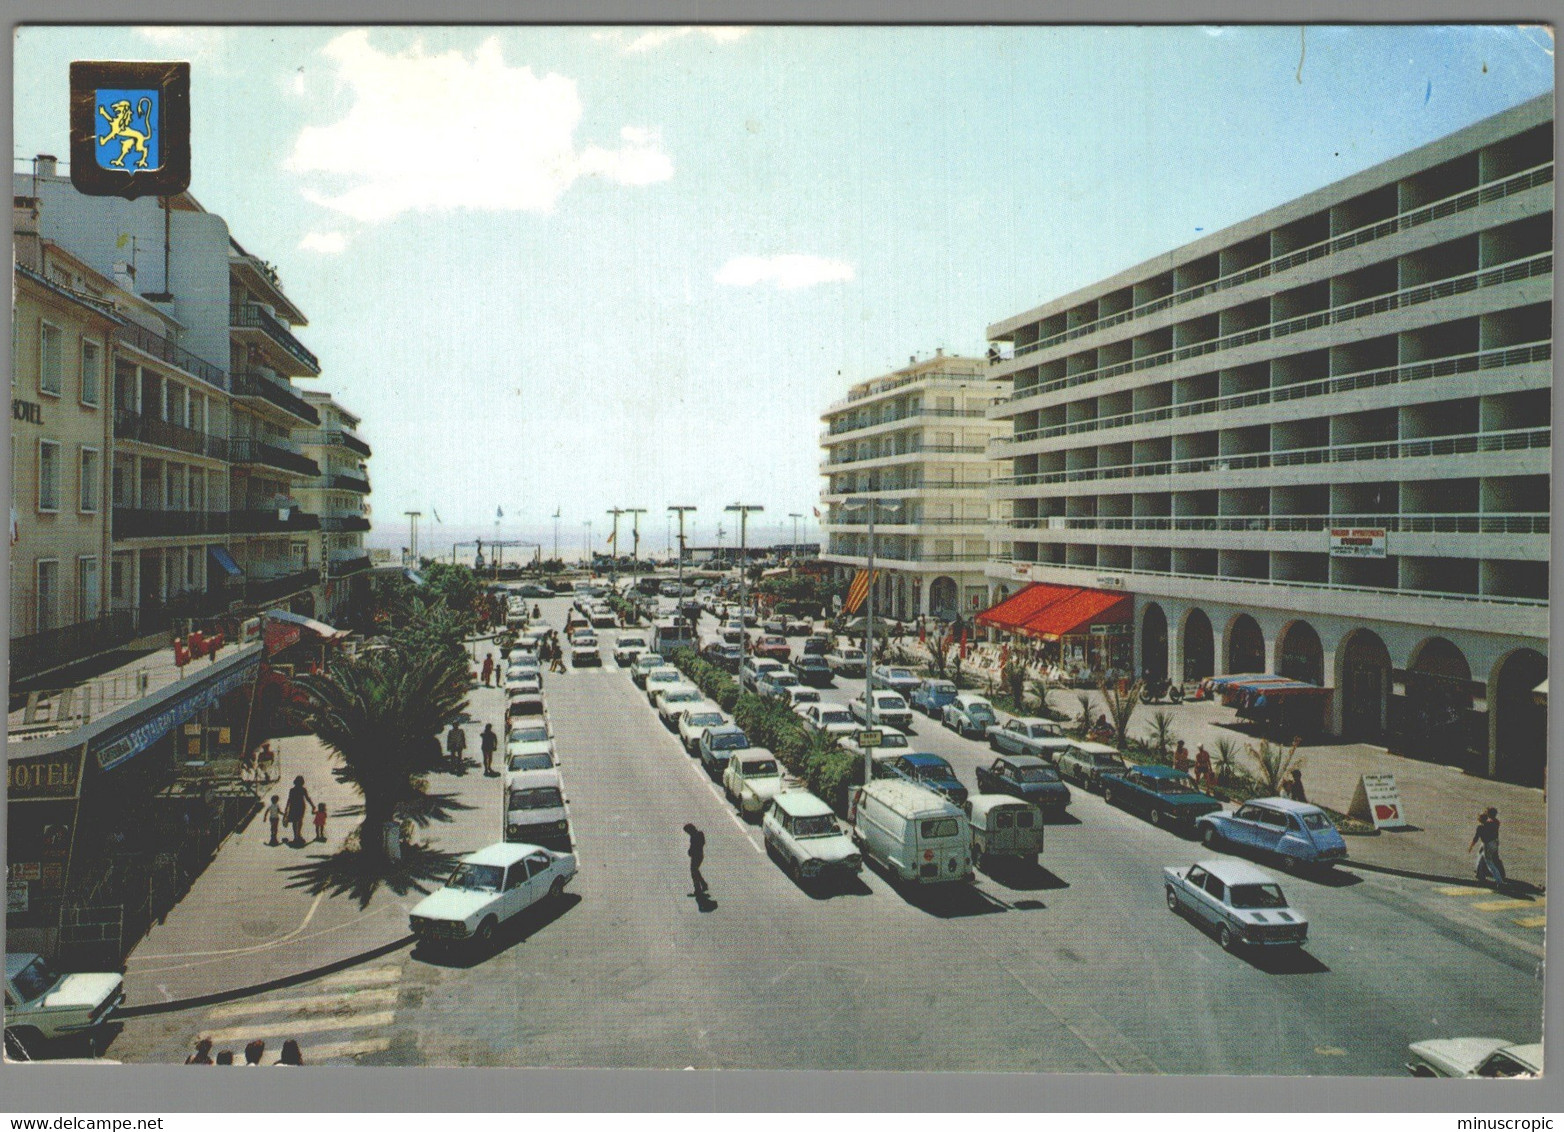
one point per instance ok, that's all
(869, 738)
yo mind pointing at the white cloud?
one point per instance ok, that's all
(193, 43)
(787, 272)
(658, 37)
(449, 131)
(326, 243)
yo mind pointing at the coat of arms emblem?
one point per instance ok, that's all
(130, 128)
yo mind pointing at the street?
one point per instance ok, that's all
(1076, 967)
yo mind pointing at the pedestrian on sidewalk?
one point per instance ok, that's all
(293, 812)
(202, 1054)
(226, 1057)
(1292, 786)
(456, 744)
(1489, 866)
(1203, 771)
(253, 1051)
(1181, 757)
(697, 857)
(274, 815)
(320, 822)
(291, 1054)
(488, 669)
(489, 742)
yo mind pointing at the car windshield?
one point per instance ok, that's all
(942, 688)
(1256, 896)
(784, 679)
(760, 768)
(34, 979)
(898, 674)
(679, 696)
(892, 739)
(1107, 760)
(1036, 774)
(1043, 731)
(851, 654)
(539, 798)
(938, 827)
(980, 711)
(728, 741)
(530, 762)
(894, 703)
(528, 735)
(934, 773)
(835, 717)
(668, 677)
(1174, 784)
(1315, 822)
(632, 642)
(820, 825)
(476, 878)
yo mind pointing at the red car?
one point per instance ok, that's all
(774, 647)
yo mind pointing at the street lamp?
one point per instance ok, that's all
(795, 516)
(613, 541)
(873, 505)
(743, 509)
(635, 514)
(681, 508)
(586, 528)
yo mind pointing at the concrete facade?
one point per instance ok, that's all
(1332, 419)
(340, 496)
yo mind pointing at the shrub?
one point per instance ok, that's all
(1121, 707)
(1274, 764)
(1083, 725)
(1160, 736)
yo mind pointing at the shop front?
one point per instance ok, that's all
(1088, 633)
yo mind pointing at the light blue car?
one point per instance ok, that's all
(1294, 832)
(932, 696)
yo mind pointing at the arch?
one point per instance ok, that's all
(1363, 683)
(1245, 650)
(1299, 654)
(1517, 722)
(944, 597)
(1437, 715)
(1154, 642)
(1199, 646)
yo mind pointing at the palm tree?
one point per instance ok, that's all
(1041, 687)
(381, 715)
(1120, 708)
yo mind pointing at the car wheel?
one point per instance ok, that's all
(1211, 837)
(1227, 939)
(485, 933)
(29, 1038)
(557, 889)
(1290, 864)
(1107, 795)
(1172, 899)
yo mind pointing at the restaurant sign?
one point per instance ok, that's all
(132, 742)
(1357, 542)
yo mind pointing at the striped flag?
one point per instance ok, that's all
(858, 591)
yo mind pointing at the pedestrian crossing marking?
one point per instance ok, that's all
(365, 977)
(297, 1026)
(310, 1004)
(1530, 921)
(1465, 890)
(1506, 905)
(330, 1051)
(1330, 1051)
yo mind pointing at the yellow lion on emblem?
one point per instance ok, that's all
(120, 126)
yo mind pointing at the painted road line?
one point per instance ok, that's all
(297, 1026)
(330, 1051)
(1456, 912)
(1530, 921)
(1459, 890)
(1507, 905)
(309, 1004)
(367, 977)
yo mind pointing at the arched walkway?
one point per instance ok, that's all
(1154, 642)
(944, 597)
(1518, 724)
(1299, 654)
(1245, 645)
(1437, 720)
(1199, 646)
(1363, 684)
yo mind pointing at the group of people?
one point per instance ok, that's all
(293, 812)
(1197, 766)
(260, 765)
(253, 1052)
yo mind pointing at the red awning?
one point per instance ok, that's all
(1043, 610)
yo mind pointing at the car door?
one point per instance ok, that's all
(513, 897)
(1269, 825)
(999, 777)
(1243, 826)
(1214, 906)
(540, 875)
(1193, 891)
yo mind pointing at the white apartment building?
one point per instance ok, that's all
(915, 442)
(1317, 443)
(340, 496)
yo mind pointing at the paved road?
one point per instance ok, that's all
(1077, 967)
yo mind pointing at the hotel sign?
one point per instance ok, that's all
(44, 776)
(1357, 542)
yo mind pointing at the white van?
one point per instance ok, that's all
(669, 635)
(916, 833)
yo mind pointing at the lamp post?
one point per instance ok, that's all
(681, 508)
(795, 516)
(868, 638)
(743, 509)
(412, 537)
(586, 529)
(613, 541)
(635, 514)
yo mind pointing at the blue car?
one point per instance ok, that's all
(1166, 796)
(1028, 778)
(1294, 832)
(932, 696)
(929, 771)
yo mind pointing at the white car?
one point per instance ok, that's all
(583, 651)
(891, 743)
(675, 699)
(1244, 904)
(628, 648)
(489, 887)
(535, 811)
(41, 1004)
(801, 833)
(694, 721)
(831, 718)
(776, 684)
(658, 679)
(1474, 1057)
(890, 710)
(523, 683)
(752, 778)
(603, 618)
(644, 664)
(800, 697)
(846, 661)
(529, 737)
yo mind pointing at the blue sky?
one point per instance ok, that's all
(584, 267)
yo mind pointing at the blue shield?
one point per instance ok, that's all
(127, 129)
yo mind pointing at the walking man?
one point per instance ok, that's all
(293, 812)
(697, 856)
(488, 742)
(456, 744)
(488, 669)
(1489, 866)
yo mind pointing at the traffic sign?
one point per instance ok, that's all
(869, 738)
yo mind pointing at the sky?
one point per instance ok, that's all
(579, 268)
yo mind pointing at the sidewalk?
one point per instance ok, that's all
(261, 913)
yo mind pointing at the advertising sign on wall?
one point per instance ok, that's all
(1357, 542)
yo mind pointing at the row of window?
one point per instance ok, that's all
(51, 477)
(51, 366)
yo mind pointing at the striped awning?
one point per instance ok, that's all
(1051, 612)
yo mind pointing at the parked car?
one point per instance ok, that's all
(1003, 826)
(644, 664)
(629, 647)
(526, 705)
(775, 647)
(812, 670)
(802, 835)
(797, 697)
(751, 780)
(799, 626)
(603, 618)
(658, 679)
(754, 668)
(674, 700)
(932, 695)
(846, 661)
(717, 745)
(529, 737)
(928, 771)
(536, 760)
(915, 833)
(489, 887)
(584, 653)
(523, 681)
(776, 683)
(725, 656)
(774, 626)
(1243, 904)
(1086, 763)
(816, 646)
(1027, 777)
(1474, 1057)
(890, 710)
(1161, 793)
(42, 1005)
(1028, 735)
(535, 809)
(828, 718)
(891, 743)
(903, 681)
(694, 721)
(1294, 832)
(969, 714)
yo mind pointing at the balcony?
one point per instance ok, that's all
(345, 439)
(257, 386)
(841, 426)
(248, 450)
(161, 348)
(910, 450)
(254, 317)
(337, 481)
(147, 522)
(261, 590)
(130, 425)
(341, 524)
(258, 521)
(36, 653)
(342, 567)
(1464, 522)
